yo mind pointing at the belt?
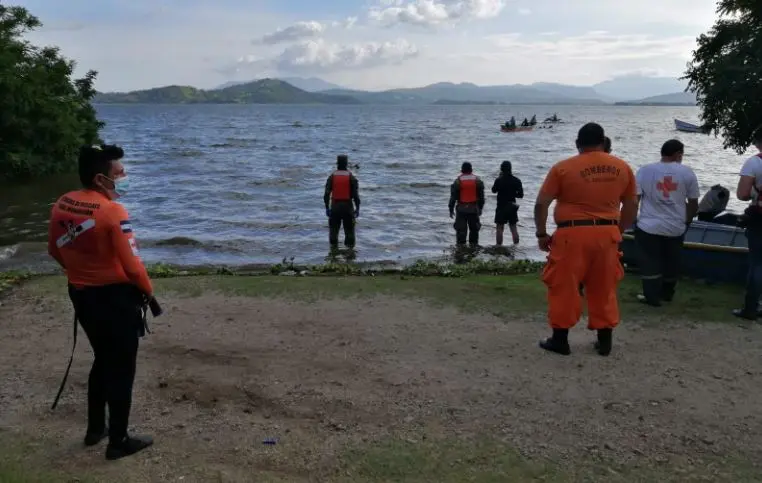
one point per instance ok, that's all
(596, 222)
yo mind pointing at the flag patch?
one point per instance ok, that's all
(126, 226)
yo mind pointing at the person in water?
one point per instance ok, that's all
(508, 189)
(341, 190)
(91, 237)
(525, 123)
(468, 193)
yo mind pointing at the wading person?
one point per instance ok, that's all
(91, 237)
(508, 188)
(713, 203)
(595, 202)
(467, 191)
(668, 192)
(749, 186)
(341, 191)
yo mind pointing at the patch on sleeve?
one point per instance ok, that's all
(126, 226)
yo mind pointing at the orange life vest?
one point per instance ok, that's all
(341, 189)
(468, 188)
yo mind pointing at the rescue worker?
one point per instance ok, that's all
(90, 236)
(588, 189)
(668, 192)
(713, 203)
(508, 189)
(749, 186)
(341, 190)
(468, 192)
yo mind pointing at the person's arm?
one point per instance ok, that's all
(355, 190)
(328, 188)
(480, 194)
(454, 195)
(125, 245)
(639, 184)
(53, 249)
(629, 210)
(496, 184)
(548, 192)
(748, 180)
(691, 208)
(519, 189)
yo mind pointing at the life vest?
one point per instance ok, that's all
(468, 188)
(341, 189)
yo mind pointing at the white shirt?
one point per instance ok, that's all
(664, 188)
(753, 167)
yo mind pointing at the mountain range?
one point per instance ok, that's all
(652, 90)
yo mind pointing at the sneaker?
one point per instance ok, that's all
(742, 314)
(127, 447)
(643, 300)
(94, 437)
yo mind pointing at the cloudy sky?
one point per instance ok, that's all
(371, 44)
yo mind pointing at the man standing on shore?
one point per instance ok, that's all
(595, 202)
(341, 190)
(668, 192)
(748, 189)
(468, 192)
(508, 189)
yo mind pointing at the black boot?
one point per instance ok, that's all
(128, 446)
(558, 343)
(93, 437)
(603, 346)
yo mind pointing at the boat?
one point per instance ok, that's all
(713, 252)
(516, 129)
(688, 127)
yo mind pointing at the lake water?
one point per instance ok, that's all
(235, 185)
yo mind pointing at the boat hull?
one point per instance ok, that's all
(711, 251)
(683, 126)
(517, 129)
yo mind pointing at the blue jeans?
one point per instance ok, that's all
(754, 277)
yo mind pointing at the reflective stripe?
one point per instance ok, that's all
(73, 232)
(650, 277)
(467, 177)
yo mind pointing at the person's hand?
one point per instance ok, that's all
(544, 243)
(357, 213)
(452, 214)
(328, 212)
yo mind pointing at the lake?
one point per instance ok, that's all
(243, 184)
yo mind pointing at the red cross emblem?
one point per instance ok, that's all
(666, 186)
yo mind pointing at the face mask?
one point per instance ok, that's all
(122, 186)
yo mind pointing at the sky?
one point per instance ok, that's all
(371, 44)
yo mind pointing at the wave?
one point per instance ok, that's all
(8, 252)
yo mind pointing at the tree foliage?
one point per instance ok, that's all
(726, 73)
(45, 115)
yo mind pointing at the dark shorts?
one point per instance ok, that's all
(508, 215)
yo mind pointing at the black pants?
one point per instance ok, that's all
(659, 263)
(112, 319)
(467, 224)
(342, 213)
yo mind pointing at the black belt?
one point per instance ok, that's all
(598, 222)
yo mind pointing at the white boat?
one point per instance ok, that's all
(688, 127)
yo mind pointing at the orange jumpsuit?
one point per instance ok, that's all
(91, 238)
(589, 189)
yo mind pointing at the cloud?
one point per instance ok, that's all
(347, 23)
(298, 31)
(524, 11)
(321, 56)
(433, 12)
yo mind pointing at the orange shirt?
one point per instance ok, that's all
(589, 186)
(91, 237)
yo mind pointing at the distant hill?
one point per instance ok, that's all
(311, 84)
(576, 92)
(265, 91)
(638, 87)
(674, 99)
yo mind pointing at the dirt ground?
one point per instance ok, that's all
(219, 374)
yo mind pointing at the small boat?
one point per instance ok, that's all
(516, 129)
(713, 252)
(688, 127)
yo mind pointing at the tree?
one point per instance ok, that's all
(726, 73)
(45, 116)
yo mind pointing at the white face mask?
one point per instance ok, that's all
(121, 186)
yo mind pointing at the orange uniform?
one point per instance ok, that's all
(91, 237)
(588, 189)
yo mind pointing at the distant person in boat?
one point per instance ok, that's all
(508, 189)
(466, 205)
(668, 191)
(511, 124)
(525, 123)
(533, 121)
(585, 245)
(713, 203)
(341, 191)
(749, 187)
